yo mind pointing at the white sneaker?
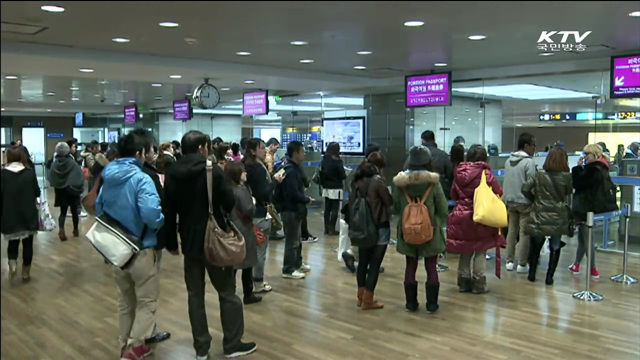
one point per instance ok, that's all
(261, 287)
(83, 214)
(509, 266)
(309, 240)
(297, 275)
(204, 357)
(305, 268)
(523, 269)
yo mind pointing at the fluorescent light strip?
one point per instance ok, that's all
(276, 107)
(335, 100)
(525, 91)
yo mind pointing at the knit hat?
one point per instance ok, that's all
(419, 156)
(62, 149)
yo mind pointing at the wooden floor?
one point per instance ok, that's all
(69, 311)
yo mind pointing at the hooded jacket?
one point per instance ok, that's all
(415, 183)
(129, 196)
(519, 169)
(164, 162)
(261, 185)
(153, 174)
(548, 191)
(186, 195)
(66, 173)
(332, 174)
(19, 188)
(89, 159)
(291, 191)
(595, 190)
(463, 234)
(441, 165)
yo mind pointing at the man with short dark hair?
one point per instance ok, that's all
(187, 197)
(290, 196)
(129, 197)
(441, 162)
(519, 169)
(272, 146)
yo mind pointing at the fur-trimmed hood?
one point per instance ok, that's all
(101, 159)
(422, 177)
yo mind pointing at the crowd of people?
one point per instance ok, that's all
(147, 188)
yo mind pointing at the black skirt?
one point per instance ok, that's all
(66, 199)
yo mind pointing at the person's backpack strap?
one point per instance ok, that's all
(406, 195)
(209, 170)
(426, 194)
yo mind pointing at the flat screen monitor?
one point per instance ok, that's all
(113, 136)
(255, 103)
(182, 110)
(348, 132)
(427, 90)
(625, 77)
(131, 114)
(79, 119)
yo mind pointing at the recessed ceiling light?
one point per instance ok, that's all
(188, 94)
(52, 8)
(453, 123)
(132, 101)
(243, 53)
(440, 64)
(477, 37)
(2, 109)
(103, 82)
(96, 95)
(158, 97)
(635, 13)
(414, 23)
(120, 40)
(176, 76)
(360, 67)
(74, 88)
(306, 61)
(546, 54)
(518, 125)
(116, 103)
(469, 119)
(51, 93)
(61, 101)
(10, 77)
(20, 100)
(75, 99)
(364, 52)
(49, 110)
(86, 70)
(156, 84)
(249, 82)
(169, 24)
(225, 89)
(124, 91)
(299, 43)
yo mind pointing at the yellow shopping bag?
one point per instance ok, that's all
(488, 208)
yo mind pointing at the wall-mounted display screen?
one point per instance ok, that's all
(182, 110)
(625, 76)
(428, 90)
(79, 119)
(130, 114)
(348, 132)
(255, 103)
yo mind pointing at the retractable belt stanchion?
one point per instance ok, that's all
(624, 278)
(589, 295)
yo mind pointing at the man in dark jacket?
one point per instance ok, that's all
(292, 208)
(187, 196)
(441, 162)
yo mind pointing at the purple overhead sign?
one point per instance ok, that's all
(625, 76)
(428, 90)
(130, 114)
(182, 110)
(255, 103)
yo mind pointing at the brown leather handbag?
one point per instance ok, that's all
(89, 200)
(222, 248)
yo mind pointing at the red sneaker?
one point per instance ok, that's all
(136, 352)
(575, 269)
(594, 273)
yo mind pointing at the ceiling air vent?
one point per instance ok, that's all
(594, 48)
(22, 29)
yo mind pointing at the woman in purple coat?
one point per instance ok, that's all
(464, 236)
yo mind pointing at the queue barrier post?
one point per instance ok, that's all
(588, 295)
(624, 278)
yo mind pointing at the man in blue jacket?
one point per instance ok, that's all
(129, 196)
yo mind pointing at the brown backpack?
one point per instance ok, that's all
(417, 228)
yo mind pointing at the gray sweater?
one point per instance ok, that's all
(519, 169)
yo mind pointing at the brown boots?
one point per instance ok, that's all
(26, 273)
(360, 293)
(62, 235)
(368, 303)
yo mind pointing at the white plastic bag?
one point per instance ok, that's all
(344, 243)
(46, 221)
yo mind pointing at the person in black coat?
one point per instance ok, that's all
(187, 196)
(18, 211)
(332, 177)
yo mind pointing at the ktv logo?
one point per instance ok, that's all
(546, 40)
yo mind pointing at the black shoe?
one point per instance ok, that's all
(433, 289)
(349, 261)
(554, 257)
(276, 236)
(411, 296)
(252, 299)
(243, 350)
(158, 338)
(381, 269)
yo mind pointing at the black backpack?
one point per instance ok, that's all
(362, 229)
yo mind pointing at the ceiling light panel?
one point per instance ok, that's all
(335, 100)
(52, 8)
(299, 43)
(169, 24)
(526, 92)
(414, 23)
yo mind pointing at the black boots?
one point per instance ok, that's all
(411, 295)
(464, 284)
(554, 257)
(534, 256)
(479, 285)
(433, 289)
(349, 261)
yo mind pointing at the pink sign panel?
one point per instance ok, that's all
(428, 90)
(625, 77)
(255, 103)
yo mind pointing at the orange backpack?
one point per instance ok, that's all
(416, 221)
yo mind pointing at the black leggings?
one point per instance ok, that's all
(75, 211)
(331, 211)
(304, 229)
(247, 281)
(369, 263)
(27, 250)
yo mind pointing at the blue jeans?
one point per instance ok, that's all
(258, 270)
(292, 223)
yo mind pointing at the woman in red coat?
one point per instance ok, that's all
(464, 236)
